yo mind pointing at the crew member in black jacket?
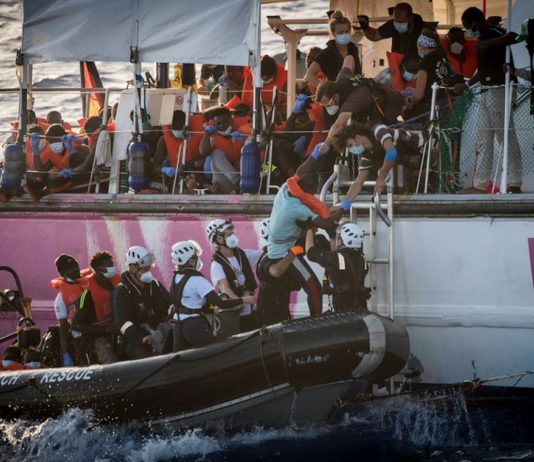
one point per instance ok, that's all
(140, 304)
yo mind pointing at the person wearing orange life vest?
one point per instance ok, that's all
(221, 146)
(93, 314)
(460, 52)
(71, 285)
(12, 360)
(272, 75)
(65, 163)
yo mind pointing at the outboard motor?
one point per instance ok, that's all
(138, 158)
(14, 168)
(250, 168)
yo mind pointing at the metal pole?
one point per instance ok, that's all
(291, 72)
(431, 134)
(507, 108)
(258, 84)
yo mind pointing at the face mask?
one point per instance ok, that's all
(70, 280)
(178, 133)
(400, 27)
(7, 362)
(408, 76)
(268, 81)
(421, 54)
(357, 150)
(42, 144)
(110, 272)
(232, 241)
(342, 39)
(56, 148)
(33, 364)
(456, 48)
(198, 264)
(472, 33)
(332, 110)
(146, 277)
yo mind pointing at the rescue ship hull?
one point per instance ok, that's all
(287, 373)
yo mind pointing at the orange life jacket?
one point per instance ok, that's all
(230, 146)
(72, 291)
(395, 66)
(280, 82)
(43, 155)
(307, 199)
(102, 298)
(468, 67)
(60, 161)
(173, 145)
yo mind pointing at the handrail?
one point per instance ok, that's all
(379, 211)
(329, 182)
(64, 90)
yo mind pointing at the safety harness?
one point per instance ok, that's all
(250, 281)
(177, 290)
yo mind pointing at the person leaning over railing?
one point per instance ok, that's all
(378, 149)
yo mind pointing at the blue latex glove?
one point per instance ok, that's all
(299, 103)
(210, 129)
(345, 205)
(407, 92)
(316, 151)
(169, 171)
(222, 79)
(67, 360)
(34, 139)
(237, 135)
(299, 146)
(68, 140)
(166, 163)
(65, 173)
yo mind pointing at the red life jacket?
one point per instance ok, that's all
(232, 147)
(43, 155)
(72, 291)
(60, 161)
(102, 298)
(316, 114)
(280, 82)
(16, 366)
(468, 67)
(307, 199)
(395, 66)
(173, 145)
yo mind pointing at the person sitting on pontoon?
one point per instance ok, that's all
(66, 164)
(221, 147)
(192, 294)
(377, 148)
(140, 307)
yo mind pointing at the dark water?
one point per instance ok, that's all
(392, 430)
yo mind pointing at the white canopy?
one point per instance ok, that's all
(199, 31)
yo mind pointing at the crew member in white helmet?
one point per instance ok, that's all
(140, 304)
(192, 295)
(345, 267)
(231, 268)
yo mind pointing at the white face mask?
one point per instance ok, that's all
(408, 76)
(70, 280)
(332, 110)
(147, 277)
(357, 149)
(56, 148)
(33, 364)
(456, 48)
(232, 241)
(7, 362)
(400, 27)
(110, 272)
(343, 39)
(198, 264)
(178, 133)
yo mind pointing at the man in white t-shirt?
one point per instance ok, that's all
(231, 268)
(192, 295)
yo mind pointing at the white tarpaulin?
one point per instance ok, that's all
(199, 31)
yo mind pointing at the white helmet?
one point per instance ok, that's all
(218, 226)
(351, 235)
(264, 228)
(140, 256)
(184, 250)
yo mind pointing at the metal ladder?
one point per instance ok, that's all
(379, 212)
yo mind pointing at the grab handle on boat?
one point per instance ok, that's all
(379, 210)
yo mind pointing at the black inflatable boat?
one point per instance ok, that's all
(287, 373)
